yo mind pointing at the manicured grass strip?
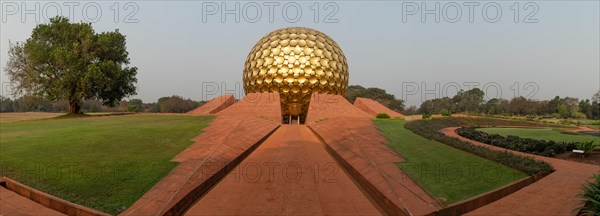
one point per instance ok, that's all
(448, 173)
(547, 134)
(105, 163)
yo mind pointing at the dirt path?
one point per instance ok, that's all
(554, 194)
(582, 129)
(290, 173)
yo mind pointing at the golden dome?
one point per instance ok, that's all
(296, 62)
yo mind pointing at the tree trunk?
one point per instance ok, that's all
(74, 106)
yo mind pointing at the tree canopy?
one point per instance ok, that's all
(64, 60)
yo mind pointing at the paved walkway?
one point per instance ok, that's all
(291, 173)
(554, 194)
(15, 204)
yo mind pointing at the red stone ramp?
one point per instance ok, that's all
(229, 138)
(214, 106)
(291, 173)
(325, 106)
(555, 194)
(373, 107)
(353, 139)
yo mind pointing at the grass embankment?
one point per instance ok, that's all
(105, 163)
(556, 135)
(449, 174)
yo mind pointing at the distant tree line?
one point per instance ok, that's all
(472, 101)
(171, 104)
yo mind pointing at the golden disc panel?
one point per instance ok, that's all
(296, 62)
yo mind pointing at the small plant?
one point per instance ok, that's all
(587, 147)
(591, 197)
(446, 114)
(383, 116)
(426, 116)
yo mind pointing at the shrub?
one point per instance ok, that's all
(591, 197)
(431, 130)
(426, 116)
(383, 116)
(176, 104)
(527, 145)
(133, 108)
(587, 147)
(446, 114)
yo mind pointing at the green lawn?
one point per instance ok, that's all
(556, 135)
(449, 174)
(105, 163)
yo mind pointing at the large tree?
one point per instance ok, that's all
(468, 101)
(64, 60)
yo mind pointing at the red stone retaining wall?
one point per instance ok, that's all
(465, 206)
(48, 200)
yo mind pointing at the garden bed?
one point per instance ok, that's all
(548, 136)
(431, 129)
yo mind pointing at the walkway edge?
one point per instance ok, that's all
(189, 199)
(373, 193)
(48, 200)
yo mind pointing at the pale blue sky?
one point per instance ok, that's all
(176, 52)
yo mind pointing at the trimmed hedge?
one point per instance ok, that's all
(431, 129)
(383, 116)
(527, 145)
